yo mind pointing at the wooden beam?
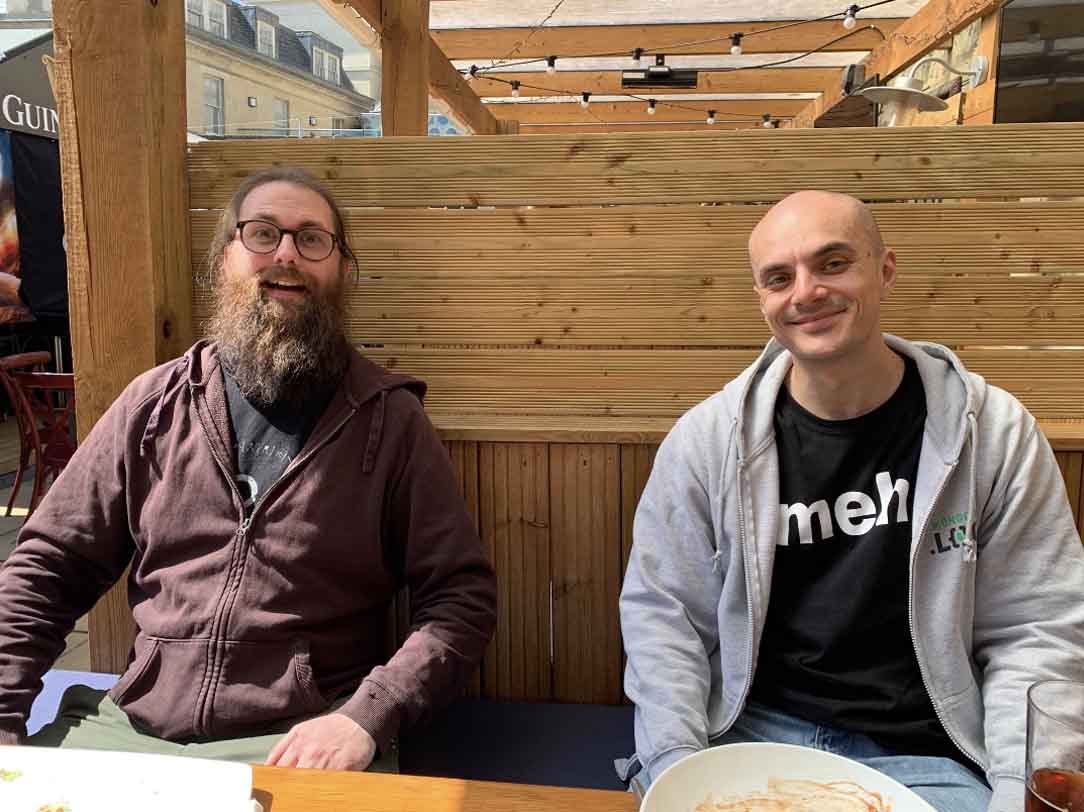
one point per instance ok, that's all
(605, 83)
(632, 127)
(370, 11)
(606, 112)
(406, 47)
(588, 40)
(932, 23)
(449, 85)
(978, 103)
(123, 167)
(356, 25)
(444, 81)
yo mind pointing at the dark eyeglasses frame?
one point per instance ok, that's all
(293, 232)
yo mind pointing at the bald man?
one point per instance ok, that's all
(857, 545)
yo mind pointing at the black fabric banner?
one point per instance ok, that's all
(36, 167)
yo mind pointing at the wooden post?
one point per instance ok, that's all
(405, 77)
(978, 105)
(120, 88)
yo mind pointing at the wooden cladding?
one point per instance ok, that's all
(554, 519)
(1017, 160)
(557, 522)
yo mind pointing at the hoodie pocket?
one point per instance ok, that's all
(261, 683)
(158, 691)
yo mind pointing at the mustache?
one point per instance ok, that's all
(283, 275)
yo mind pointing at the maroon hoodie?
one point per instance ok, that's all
(245, 622)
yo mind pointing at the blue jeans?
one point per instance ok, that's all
(944, 784)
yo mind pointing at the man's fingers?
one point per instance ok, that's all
(276, 752)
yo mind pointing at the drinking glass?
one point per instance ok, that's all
(1055, 747)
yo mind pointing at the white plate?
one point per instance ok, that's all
(737, 769)
(101, 781)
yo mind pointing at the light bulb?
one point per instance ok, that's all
(767, 122)
(637, 53)
(735, 44)
(586, 100)
(651, 107)
(711, 116)
(471, 73)
(849, 20)
(551, 64)
(515, 88)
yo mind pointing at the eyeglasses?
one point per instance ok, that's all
(262, 237)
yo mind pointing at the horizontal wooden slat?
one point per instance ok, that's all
(981, 238)
(1063, 435)
(664, 383)
(884, 163)
(691, 38)
(707, 311)
(765, 80)
(605, 112)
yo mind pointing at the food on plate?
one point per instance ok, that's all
(800, 796)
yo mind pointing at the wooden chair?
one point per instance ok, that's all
(9, 365)
(47, 400)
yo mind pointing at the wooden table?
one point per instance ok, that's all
(291, 790)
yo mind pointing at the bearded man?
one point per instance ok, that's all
(271, 490)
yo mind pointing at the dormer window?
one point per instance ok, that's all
(325, 65)
(265, 38)
(207, 15)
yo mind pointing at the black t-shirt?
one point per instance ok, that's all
(837, 646)
(267, 438)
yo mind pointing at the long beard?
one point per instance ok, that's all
(279, 351)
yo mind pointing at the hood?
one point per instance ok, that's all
(954, 396)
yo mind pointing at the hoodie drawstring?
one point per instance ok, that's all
(375, 433)
(176, 378)
(970, 542)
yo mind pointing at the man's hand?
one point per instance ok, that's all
(332, 742)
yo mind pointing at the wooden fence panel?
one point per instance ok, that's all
(586, 516)
(515, 523)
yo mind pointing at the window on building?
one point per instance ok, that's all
(216, 18)
(319, 61)
(214, 105)
(282, 113)
(195, 13)
(265, 35)
(332, 69)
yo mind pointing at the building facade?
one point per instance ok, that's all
(248, 75)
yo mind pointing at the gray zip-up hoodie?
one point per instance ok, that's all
(996, 573)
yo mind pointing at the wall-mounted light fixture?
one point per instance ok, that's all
(251, 101)
(905, 96)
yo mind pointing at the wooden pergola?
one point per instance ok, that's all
(120, 85)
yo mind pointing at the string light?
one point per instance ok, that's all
(660, 60)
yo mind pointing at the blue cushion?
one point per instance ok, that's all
(54, 684)
(522, 742)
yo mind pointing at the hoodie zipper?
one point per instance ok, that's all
(911, 621)
(748, 599)
(225, 603)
